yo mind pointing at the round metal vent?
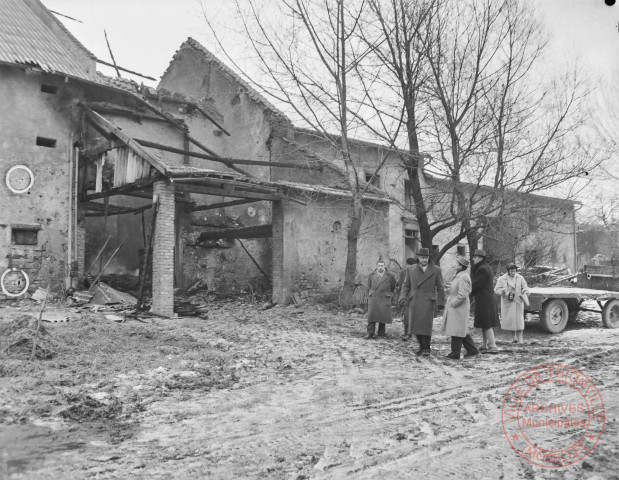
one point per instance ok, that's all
(19, 179)
(14, 282)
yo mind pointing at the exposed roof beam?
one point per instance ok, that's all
(132, 187)
(167, 148)
(96, 119)
(224, 190)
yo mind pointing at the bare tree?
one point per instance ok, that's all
(310, 59)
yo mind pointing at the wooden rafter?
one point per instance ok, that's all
(167, 148)
(95, 119)
(225, 190)
(132, 187)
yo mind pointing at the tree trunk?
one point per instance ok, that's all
(414, 165)
(350, 272)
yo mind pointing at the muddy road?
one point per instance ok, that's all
(285, 393)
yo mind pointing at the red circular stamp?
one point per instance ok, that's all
(553, 415)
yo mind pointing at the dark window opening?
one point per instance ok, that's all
(46, 142)
(373, 179)
(21, 236)
(51, 89)
(410, 233)
(461, 250)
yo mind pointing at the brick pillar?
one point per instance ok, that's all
(163, 251)
(277, 245)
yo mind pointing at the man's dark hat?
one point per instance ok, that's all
(423, 252)
(479, 253)
(511, 266)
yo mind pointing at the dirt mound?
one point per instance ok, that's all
(17, 337)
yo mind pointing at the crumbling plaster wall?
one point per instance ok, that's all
(315, 245)
(28, 113)
(226, 265)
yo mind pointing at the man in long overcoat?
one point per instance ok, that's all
(457, 310)
(381, 284)
(422, 291)
(486, 313)
(406, 318)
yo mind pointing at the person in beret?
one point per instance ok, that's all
(486, 313)
(422, 291)
(514, 292)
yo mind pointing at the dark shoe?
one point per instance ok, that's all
(472, 354)
(369, 336)
(406, 338)
(425, 353)
(383, 335)
(482, 349)
(419, 352)
(453, 356)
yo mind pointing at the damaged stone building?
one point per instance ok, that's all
(236, 195)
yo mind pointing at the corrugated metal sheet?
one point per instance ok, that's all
(25, 39)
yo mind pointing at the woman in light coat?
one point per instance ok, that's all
(457, 310)
(514, 293)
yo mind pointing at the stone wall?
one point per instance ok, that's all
(28, 113)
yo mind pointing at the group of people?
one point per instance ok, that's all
(422, 293)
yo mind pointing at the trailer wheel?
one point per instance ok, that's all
(554, 315)
(610, 314)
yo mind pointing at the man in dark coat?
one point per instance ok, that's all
(486, 313)
(422, 291)
(381, 284)
(406, 318)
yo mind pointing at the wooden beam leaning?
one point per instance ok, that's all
(166, 148)
(213, 206)
(189, 137)
(101, 122)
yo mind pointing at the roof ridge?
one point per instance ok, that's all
(252, 92)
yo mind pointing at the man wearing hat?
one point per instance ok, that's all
(486, 315)
(405, 313)
(422, 291)
(381, 284)
(457, 309)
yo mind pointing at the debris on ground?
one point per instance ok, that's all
(17, 337)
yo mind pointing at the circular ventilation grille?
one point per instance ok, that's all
(19, 179)
(14, 282)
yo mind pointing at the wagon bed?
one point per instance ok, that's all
(559, 305)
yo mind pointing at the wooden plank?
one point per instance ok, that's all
(260, 231)
(212, 206)
(167, 148)
(224, 190)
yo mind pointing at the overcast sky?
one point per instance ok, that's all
(144, 34)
